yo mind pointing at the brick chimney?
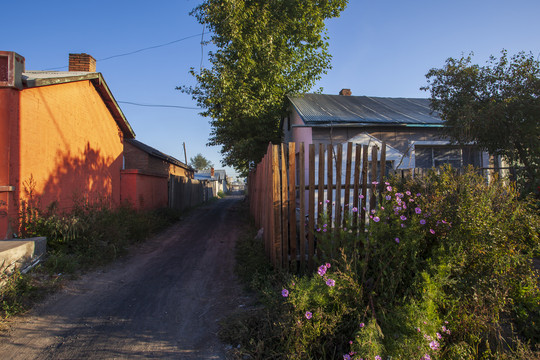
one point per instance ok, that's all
(212, 172)
(82, 62)
(345, 92)
(11, 69)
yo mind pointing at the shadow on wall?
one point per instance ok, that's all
(88, 177)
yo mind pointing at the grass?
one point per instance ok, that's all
(87, 237)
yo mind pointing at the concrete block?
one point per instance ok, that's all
(20, 252)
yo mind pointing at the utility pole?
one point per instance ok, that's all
(185, 154)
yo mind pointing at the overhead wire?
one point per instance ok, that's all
(157, 105)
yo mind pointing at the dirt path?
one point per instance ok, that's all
(161, 302)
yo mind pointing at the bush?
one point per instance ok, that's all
(443, 271)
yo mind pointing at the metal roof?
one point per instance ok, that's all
(322, 110)
(156, 153)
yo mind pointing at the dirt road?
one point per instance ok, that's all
(161, 302)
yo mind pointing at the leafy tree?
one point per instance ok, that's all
(497, 106)
(199, 162)
(266, 49)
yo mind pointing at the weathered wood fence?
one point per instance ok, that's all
(292, 193)
(185, 193)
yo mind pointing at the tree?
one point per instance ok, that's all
(199, 162)
(497, 106)
(266, 49)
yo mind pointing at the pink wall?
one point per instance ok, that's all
(144, 191)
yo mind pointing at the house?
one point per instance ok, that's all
(412, 132)
(61, 137)
(147, 173)
(217, 179)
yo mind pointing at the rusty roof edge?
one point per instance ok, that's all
(36, 82)
(103, 89)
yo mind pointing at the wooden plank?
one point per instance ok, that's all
(339, 155)
(363, 202)
(311, 209)
(302, 215)
(356, 191)
(330, 182)
(320, 192)
(284, 211)
(292, 205)
(346, 201)
(276, 197)
(372, 200)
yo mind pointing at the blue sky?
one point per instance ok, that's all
(379, 48)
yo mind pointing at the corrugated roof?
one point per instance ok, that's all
(156, 153)
(320, 109)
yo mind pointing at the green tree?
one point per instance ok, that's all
(497, 106)
(265, 49)
(199, 162)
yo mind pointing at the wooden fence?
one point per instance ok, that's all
(185, 193)
(292, 193)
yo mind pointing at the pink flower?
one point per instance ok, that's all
(309, 315)
(434, 345)
(432, 231)
(362, 325)
(284, 292)
(330, 282)
(397, 240)
(376, 219)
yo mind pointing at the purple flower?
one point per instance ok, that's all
(327, 265)
(354, 209)
(408, 193)
(309, 315)
(439, 336)
(388, 197)
(434, 345)
(389, 188)
(418, 195)
(432, 231)
(373, 211)
(404, 206)
(376, 219)
(399, 195)
(402, 225)
(361, 196)
(284, 292)
(423, 221)
(346, 357)
(377, 357)
(330, 282)
(397, 240)
(327, 201)
(362, 325)
(322, 270)
(418, 210)
(403, 217)
(375, 182)
(426, 357)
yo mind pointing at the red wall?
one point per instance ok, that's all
(144, 191)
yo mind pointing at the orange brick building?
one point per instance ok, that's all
(61, 137)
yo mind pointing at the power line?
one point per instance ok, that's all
(137, 51)
(156, 105)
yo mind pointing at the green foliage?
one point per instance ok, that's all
(456, 281)
(496, 106)
(265, 51)
(199, 162)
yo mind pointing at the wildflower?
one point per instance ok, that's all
(373, 211)
(350, 342)
(386, 183)
(434, 345)
(432, 231)
(423, 221)
(418, 210)
(403, 217)
(324, 230)
(318, 229)
(320, 202)
(376, 219)
(330, 282)
(362, 325)
(427, 337)
(322, 270)
(404, 206)
(355, 209)
(411, 200)
(439, 336)
(324, 225)
(346, 357)
(418, 195)
(402, 225)
(327, 265)
(375, 182)
(361, 196)
(377, 357)
(399, 195)
(389, 188)
(408, 193)
(426, 357)
(309, 315)
(418, 329)
(284, 292)
(388, 197)
(327, 201)
(397, 240)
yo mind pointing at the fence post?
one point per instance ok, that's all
(292, 205)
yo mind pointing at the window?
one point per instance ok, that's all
(435, 156)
